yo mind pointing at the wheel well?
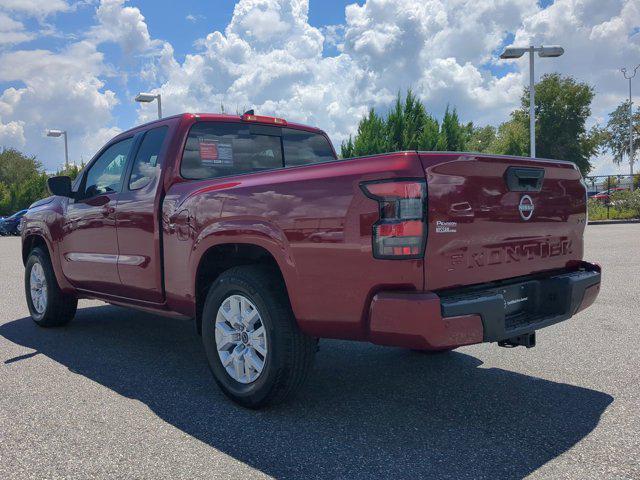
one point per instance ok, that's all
(30, 243)
(220, 258)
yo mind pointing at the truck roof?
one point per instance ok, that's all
(217, 117)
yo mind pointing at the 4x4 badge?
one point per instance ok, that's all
(526, 207)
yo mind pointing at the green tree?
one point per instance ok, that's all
(22, 181)
(72, 170)
(407, 126)
(15, 167)
(452, 134)
(370, 138)
(395, 126)
(512, 137)
(615, 136)
(481, 139)
(562, 108)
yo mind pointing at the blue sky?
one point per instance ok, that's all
(77, 64)
(168, 20)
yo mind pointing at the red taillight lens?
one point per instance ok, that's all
(400, 233)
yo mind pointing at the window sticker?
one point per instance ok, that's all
(214, 153)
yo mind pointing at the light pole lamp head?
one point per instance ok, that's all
(513, 52)
(628, 75)
(145, 97)
(55, 133)
(551, 51)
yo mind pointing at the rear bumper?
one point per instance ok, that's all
(484, 313)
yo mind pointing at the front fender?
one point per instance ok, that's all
(42, 222)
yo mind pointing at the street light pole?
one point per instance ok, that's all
(631, 152)
(517, 52)
(532, 105)
(150, 97)
(66, 151)
(63, 133)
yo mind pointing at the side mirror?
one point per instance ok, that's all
(60, 186)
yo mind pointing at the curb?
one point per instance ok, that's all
(612, 222)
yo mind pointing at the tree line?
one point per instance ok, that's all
(563, 107)
(23, 180)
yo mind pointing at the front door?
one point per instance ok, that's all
(90, 244)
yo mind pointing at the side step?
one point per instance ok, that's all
(527, 340)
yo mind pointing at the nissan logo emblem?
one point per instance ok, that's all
(526, 207)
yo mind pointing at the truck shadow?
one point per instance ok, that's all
(367, 411)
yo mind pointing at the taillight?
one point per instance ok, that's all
(401, 231)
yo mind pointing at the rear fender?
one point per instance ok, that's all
(249, 231)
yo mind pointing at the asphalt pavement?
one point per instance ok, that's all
(123, 394)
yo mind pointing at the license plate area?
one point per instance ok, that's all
(518, 299)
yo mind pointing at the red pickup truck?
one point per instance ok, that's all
(254, 228)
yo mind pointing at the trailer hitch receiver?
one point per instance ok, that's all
(527, 340)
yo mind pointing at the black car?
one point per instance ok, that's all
(11, 225)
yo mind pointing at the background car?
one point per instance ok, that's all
(606, 195)
(10, 225)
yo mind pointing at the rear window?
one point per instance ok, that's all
(217, 149)
(304, 148)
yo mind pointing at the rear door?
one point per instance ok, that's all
(492, 218)
(137, 220)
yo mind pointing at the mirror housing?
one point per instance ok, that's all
(60, 186)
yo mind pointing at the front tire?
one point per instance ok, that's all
(256, 352)
(48, 306)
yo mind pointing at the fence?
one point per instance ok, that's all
(605, 192)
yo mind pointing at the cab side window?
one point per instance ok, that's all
(146, 166)
(106, 173)
(305, 148)
(220, 149)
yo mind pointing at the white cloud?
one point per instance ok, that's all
(12, 133)
(36, 8)
(123, 25)
(12, 31)
(193, 18)
(269, 57)
(61, 90)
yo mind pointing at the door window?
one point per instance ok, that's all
(146, 165)
(105, 174)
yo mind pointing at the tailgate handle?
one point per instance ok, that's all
(524, 179)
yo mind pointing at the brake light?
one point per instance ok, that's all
(401, 231)
(248, 117)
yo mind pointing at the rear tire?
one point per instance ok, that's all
(48, 306)
(266, 356)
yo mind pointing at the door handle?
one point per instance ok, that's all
(106, 210)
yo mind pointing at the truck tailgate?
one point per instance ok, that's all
(492, 218)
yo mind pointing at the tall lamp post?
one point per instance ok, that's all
(629, 76)
(58, 133)
(150, 97)
(517, 52)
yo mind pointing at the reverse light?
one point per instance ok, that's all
(400, 232)
(249, 117)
